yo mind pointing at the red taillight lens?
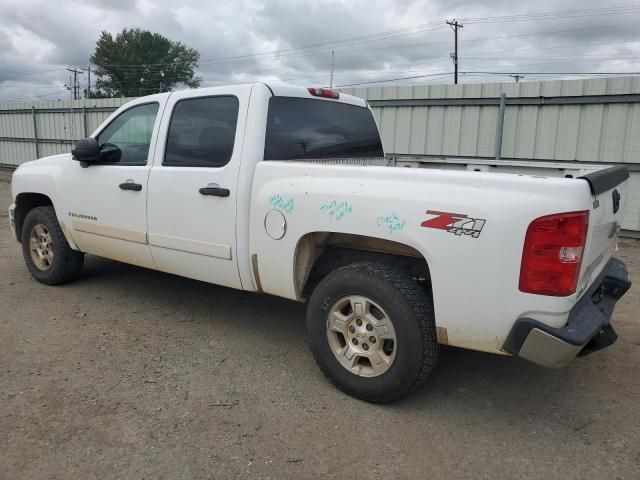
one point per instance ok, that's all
(323, 92)
(552, 254)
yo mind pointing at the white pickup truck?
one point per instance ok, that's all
(285, 190)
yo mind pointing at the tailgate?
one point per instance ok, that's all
(608, 189)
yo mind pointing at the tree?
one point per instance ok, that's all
(138, 62)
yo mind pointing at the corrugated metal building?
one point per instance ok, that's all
(595, 120)
(593, 129)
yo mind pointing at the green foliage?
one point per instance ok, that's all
(134, 63)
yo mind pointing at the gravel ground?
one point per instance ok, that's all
(130, 373)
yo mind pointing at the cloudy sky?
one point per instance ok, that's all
(291, 40)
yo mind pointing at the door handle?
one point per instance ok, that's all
(214, 191)
(136, 187)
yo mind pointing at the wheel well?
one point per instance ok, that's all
(25, 202)
(320, 253)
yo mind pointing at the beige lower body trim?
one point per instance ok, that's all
(191, 246)
(443, 337)
(256, 273)
(112, 232)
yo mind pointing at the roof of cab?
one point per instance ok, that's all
(286, 90)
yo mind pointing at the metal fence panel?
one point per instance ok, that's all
(57, 125)
(11, 152)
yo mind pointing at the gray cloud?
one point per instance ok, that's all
(39, 39)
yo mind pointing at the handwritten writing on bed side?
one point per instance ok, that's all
(336, 210)
(285, 204)
(393, 223)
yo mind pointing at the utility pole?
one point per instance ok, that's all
(87, 92)
(333, 55)
(455, 26)
(76, 87)
(89, 81)
(517, 77)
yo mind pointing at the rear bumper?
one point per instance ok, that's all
(588, 327)
(12, 221)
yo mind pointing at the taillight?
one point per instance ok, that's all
(324, 92)
(552, 254)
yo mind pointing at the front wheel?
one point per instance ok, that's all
(46, 252)
(372, 331)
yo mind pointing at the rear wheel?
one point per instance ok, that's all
(46, 252)
(372, 331)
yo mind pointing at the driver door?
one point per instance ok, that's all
(107, 201)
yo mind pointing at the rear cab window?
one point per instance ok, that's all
(305, 128)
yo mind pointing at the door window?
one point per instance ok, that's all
(202, 132)
(127, 138)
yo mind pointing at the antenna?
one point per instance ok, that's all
(333, 55)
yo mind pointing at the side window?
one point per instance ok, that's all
(202, 132)
(127, 138)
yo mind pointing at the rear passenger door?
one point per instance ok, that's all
(193, 185)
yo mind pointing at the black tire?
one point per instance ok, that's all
(67, 263)
(411, 312)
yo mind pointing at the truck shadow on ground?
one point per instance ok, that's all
(462, 378)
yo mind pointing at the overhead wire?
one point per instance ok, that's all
(355, 44)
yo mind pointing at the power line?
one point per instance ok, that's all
(416, 77)
(135, 69)
(420, 29)
(354, 44)
(619, 10)
(394, 79)
(283, 52)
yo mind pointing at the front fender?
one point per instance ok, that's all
(42, 177)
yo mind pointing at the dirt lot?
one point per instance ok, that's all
(130, 373)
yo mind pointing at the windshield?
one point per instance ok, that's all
(304, 128)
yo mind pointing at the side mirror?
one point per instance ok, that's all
(86, 151)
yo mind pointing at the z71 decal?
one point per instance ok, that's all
(456, 223)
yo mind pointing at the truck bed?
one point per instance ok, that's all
(522, 167)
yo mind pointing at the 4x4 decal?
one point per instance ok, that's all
(456, 223)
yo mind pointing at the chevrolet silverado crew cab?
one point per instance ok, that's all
(285, 190)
